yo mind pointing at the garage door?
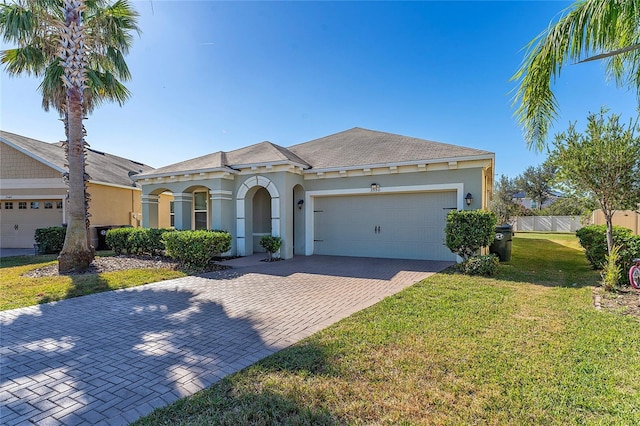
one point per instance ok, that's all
(19, 222)
(401, 226)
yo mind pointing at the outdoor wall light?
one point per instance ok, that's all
(375, 187)
(468, 199)
(300, 203)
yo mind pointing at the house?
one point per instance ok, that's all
(526, 202)
(33, 193)
(355, 193)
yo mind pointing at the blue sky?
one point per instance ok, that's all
(210, 76)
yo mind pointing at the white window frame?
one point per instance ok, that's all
(193, 217)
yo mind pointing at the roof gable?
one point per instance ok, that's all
(257, 154)
(101, 166)
(362, 147)
(260, 153)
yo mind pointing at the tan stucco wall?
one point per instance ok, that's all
(114, 206)
(16, 165)
(164, 216)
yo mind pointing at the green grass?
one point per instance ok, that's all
(17, 290)
(525, 347)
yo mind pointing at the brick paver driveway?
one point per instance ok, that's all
(113, 357)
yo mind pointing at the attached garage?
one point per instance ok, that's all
(20, 218)
(386, 225)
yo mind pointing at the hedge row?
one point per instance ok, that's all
(51, 239)
(191, 248)
(136, 240)
(593, 238)
(196, 248)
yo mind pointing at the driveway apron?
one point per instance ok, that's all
(113, 357)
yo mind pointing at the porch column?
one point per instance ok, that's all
(220, 206)
(182, 210)
(150, 211)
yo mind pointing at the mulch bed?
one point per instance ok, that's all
(124, 262)
(625, 301)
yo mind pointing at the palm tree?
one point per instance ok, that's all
(588, 30)
(78, 48)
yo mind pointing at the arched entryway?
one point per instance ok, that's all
(257, 213)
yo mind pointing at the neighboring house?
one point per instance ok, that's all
(355, 193)
(33, 193)
(522, 199)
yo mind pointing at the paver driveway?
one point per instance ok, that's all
(113, 357)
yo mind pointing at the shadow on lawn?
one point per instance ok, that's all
(252, 398)
(544, 262)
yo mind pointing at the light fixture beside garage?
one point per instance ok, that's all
(468, 198)
(300, 203)
(375, 187)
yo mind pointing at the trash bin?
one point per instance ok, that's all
(102, 237)
(502, 243)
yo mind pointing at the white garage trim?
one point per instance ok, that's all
(32, 197)
(311, 195)
(43, 183)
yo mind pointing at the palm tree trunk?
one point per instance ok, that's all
(76, 254)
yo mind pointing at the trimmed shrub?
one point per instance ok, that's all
(51, 239)
(155, 243)
(486, 265)
(138, 240)
(593, 238)
(467, 231)
(118, 240)
(196, 248)
(271, 244)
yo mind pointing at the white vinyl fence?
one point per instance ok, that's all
(547, 223)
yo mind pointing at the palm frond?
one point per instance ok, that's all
(28, 60)
(587, 28)
(33, 25)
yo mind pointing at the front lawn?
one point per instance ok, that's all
(525, 347)
(18, 290)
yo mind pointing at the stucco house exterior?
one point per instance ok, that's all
(33, 193)
(355, 193)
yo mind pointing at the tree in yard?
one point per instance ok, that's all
(502, 203)
(604, 161)
(536, 182)
(589, 30)
(77, 47)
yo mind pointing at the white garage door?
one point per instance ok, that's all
(401, 226)
(19, 222)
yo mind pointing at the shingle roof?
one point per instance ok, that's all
(212, 161)
(101, 166)
(260, 153)
(362, 147)
(352, 148)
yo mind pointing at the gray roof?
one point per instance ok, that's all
(101, 166)
(260, 153)
(362, 147)
(352, 148)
